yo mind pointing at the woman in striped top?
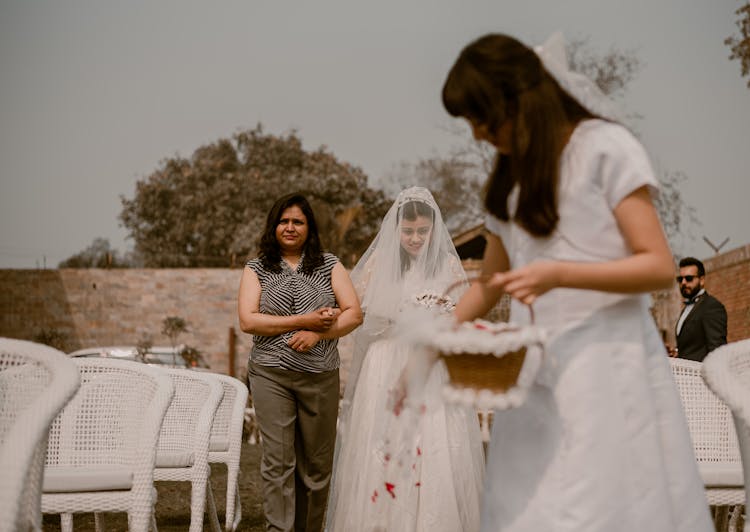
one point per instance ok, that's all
(296, 301)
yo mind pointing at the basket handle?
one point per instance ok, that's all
(481, 279)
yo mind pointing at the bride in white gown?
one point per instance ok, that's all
(422, 470)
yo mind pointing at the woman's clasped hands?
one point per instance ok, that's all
(315, 323)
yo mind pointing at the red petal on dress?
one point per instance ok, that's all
(389, 487)
(374, 496)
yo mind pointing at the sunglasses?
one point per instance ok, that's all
(687, 278)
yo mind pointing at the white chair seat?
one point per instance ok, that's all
(218, 445)
(174, 459)
(75, 479)
(721, 475)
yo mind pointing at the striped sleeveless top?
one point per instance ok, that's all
(287, 293)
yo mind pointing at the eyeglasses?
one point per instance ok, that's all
(686, 278)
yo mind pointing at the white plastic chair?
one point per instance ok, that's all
(713, 435)
(102, 446)
(225, 445)
(182, 453)
(35, 383)
(726, 370)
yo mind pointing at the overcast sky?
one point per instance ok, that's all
(94, 94)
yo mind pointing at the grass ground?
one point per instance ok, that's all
(173, 503)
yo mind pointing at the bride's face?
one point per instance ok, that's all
(415, 234)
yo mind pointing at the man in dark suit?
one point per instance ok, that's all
(702, 326)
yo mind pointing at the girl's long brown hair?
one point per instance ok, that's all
(497, 78)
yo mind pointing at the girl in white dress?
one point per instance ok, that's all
(601, 443)
(421, 470)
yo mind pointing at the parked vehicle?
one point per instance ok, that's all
(180, 356)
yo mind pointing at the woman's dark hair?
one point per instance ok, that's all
(411, 210)
(269, 249)
(497, 78)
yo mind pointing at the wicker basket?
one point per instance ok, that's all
(484, 372)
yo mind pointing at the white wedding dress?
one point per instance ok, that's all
(438, 484)
(422, 470)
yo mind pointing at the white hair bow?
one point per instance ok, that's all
(586, 92)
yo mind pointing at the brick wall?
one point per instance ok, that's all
(97, 307)
(728, 279)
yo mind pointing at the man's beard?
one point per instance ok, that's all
(688, 293)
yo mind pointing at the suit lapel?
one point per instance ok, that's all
(693, 313)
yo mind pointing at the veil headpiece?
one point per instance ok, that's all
(385, 275)
(420, 194)
(585, 91)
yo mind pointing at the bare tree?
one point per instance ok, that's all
(740, 46)
(463, 171)
(612, 71)
(453, 180)
(675, 214)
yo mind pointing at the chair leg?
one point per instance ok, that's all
(140, 521)
(232, 497)
(237, 511)
(734, 517)
(212, 517)
(721, 521)
(98, 519)
(66, 522)
(197, 504)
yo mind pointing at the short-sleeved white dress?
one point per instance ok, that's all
(601, 443)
